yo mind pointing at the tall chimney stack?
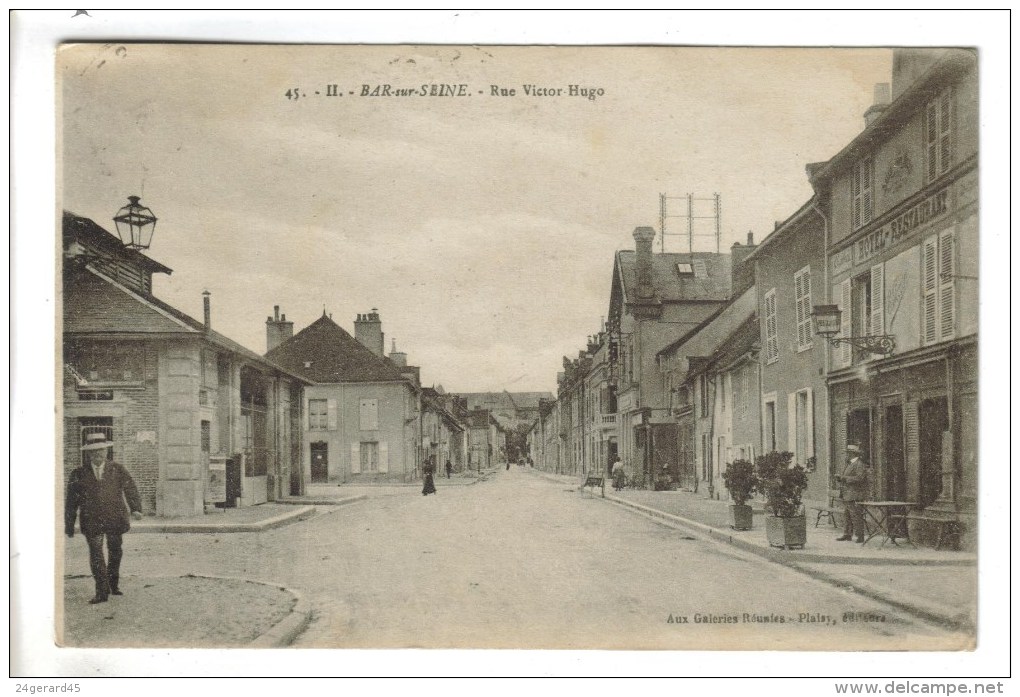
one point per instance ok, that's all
(398, 357)
(368, 331)
(278, 329)
(881, 102)
(741, 278)
(206, 310)
(643, 237)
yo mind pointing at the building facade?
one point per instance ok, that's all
(901, 205)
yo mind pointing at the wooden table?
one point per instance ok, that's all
(889, 519)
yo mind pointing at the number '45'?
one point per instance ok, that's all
(292, 93)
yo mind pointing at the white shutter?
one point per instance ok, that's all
(791, 425)
(947, 302)
(308, 411)
(845, 321)
(355, 458)
(877, 299)
(331, 414)
(929, 291)
(384, 457)
(931, 136)
(809, 423)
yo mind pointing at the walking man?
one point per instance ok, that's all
(853, 488)
(449, 468)
(96, 493)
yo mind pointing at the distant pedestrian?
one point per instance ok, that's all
(449, 468)
(508, 465)
(853, 483)
(96, 493)
(616, 472)
(430, 484)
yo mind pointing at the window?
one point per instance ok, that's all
(369, 457)
(800, 417)
(862, 188)
(206, 436)
(703, 390)
(938, 135)
(318, 419)
(770, 426)
(771, 329)
(700, 270)
(802, 289)
(938, 319)
(745, 380)
(722, 392)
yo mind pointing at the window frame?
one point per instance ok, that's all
(314, 416)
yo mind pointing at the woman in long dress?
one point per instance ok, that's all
(430, 485)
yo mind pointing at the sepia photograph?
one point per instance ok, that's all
(626, 347)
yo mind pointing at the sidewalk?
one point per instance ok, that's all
(938, 585)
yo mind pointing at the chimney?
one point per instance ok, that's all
(368, 331)
(206, 310)
(278, 329)
(741, 274)
(397, 356)
(880, 104)
(643, 237)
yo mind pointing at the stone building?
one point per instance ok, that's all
(172, 393)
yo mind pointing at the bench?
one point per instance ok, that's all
(829, 511)
(945, 525)
(594, 481)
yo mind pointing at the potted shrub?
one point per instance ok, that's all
(741, 482)
(783, 486)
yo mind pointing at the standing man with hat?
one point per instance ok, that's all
(853, 488)
(96, 493)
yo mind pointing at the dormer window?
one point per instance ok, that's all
(685, 269)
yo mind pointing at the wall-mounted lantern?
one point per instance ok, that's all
(135, 224)
(827, 322)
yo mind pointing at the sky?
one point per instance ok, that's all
(483, 228)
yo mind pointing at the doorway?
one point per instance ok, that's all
(933, 422)
(893, 460)
(858, 430)
(320, 462)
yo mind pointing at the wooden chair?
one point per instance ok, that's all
(830, 510)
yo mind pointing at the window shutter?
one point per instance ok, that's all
(845, 322)
(331, 414)
(877, 299)
(856, 196)
(308, 411)
(945, 128)
(791, 425)
(384, 457)
(929, 291)
(809, 423)
(947, 303)
(867, 204)
(839, 439)
(913, 449)
(931, 138)
(355, 458)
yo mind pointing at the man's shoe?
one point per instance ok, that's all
(845, 538)
(116, 591)
(97, 599)
(860, 540)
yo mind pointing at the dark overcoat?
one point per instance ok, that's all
(100, 505)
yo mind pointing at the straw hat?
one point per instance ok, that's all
(853, 448)
(96, 441)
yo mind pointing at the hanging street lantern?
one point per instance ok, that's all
(135, 224)
(827, 320)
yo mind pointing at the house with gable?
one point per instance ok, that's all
(363, 410)
(655, 298)
(174, 395)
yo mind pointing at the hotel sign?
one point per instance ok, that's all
(896, 230)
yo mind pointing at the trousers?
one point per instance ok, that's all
(106, 573)
(853, 520)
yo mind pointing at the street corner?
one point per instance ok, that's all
(187, 611)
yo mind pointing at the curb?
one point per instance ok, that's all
(305, 501)
(923, 609)
(286, 630)
(275, 522)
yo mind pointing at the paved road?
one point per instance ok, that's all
(520, 561)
